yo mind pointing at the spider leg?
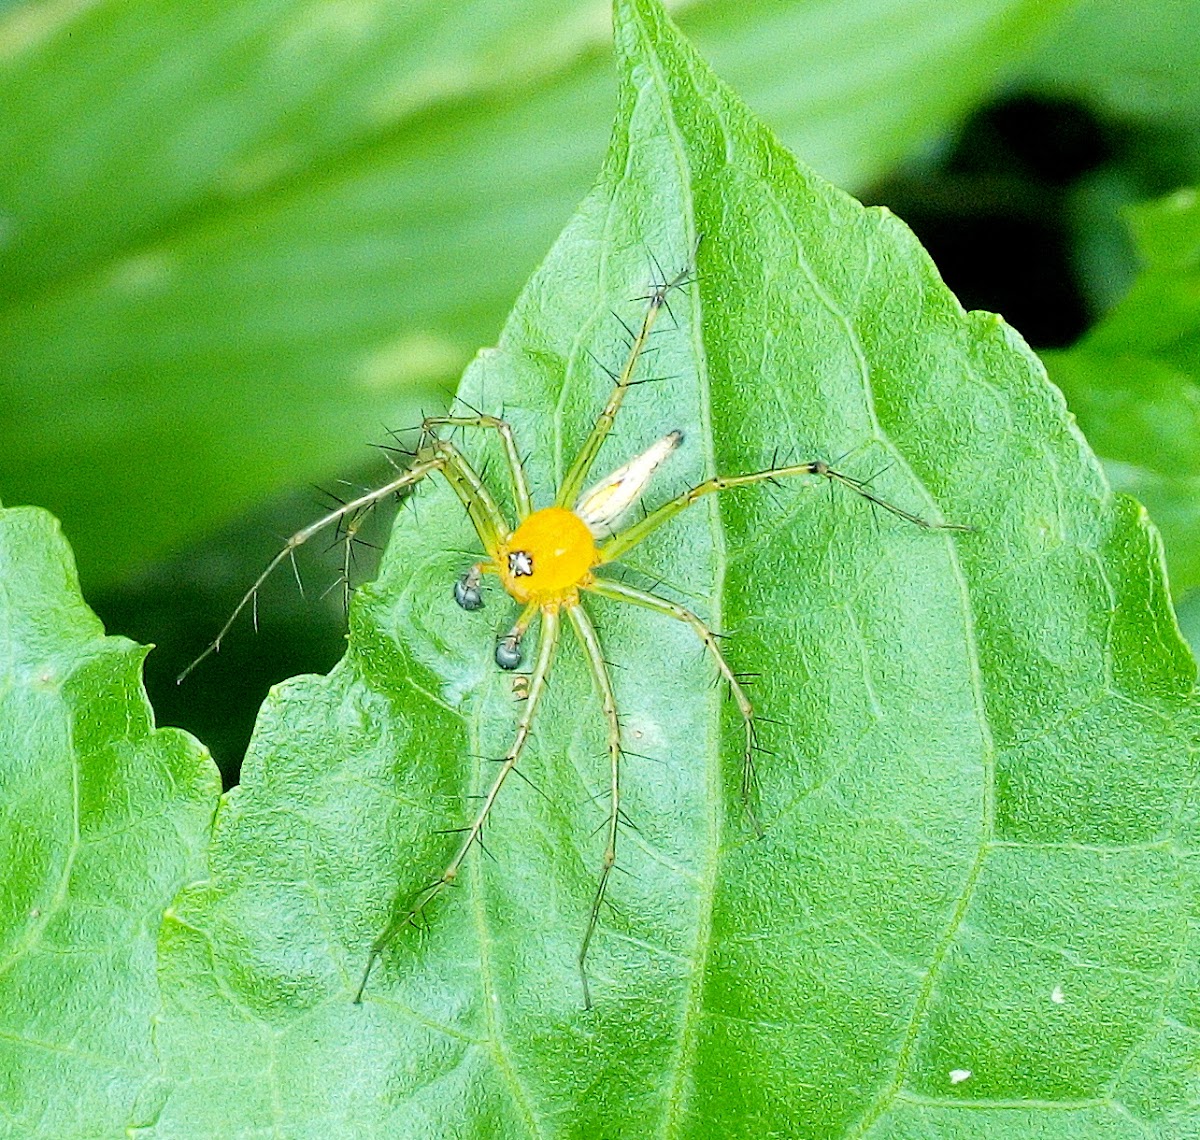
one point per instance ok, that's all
(413, 475)
(537, 685)
(350, 539)
(656, 300)
(437, 455)
(465, 482)
(595, 657)
(516, 468)
(618, 591)
(627, 539)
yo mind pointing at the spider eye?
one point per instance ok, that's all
(520, 564)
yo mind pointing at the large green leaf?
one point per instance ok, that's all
(102, 819)
(1134, 381)
(235, 239)
(969, 914)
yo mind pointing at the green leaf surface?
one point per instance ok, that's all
(969, 913)
(1134, 380)
(236, 240)
(102, 819)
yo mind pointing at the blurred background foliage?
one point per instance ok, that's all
(240, 241)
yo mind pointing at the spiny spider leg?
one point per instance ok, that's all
(627, 539)
(618, 591)
(482, 510)
(595, 656)
(436, 455)
(504, 429)
(573, 482)
(414, 474)
(537, 685)
(354, 523)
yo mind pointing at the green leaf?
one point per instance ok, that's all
(234, 242)
(1134, 380)
(969, 912)
(103, 818)
(1138, 61)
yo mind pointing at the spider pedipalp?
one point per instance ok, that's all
(508, 653)
(467, 589)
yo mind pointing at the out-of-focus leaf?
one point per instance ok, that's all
(1137, 66)
(969, 914)
(1137, 60)
(1134, 381)
(236, 240)
(102, 819)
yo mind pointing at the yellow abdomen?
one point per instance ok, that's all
(548, 557)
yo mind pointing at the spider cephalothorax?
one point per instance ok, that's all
(548, 563)
(550, 557)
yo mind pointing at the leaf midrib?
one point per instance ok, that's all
(678, 1092)
(904, 1055)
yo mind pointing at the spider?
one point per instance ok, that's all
(553, 557)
